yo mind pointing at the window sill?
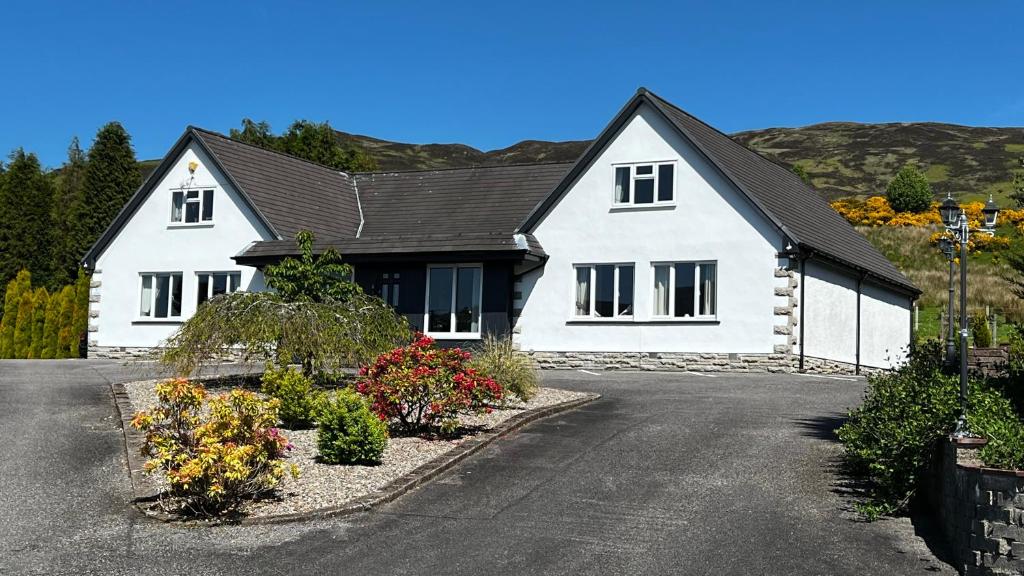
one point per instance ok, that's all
(642, 207)
(650, 321)
(190, 225)
(157, 321)
(454, 335)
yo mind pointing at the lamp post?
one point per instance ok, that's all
(955, 221)
(947, 248)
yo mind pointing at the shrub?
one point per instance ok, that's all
(891, 439)
(980, 332)
(299, 399)
(348, 432)
(514, 371)
(424, 388)
(909, 191)
(212, 461)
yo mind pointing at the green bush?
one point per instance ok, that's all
(909, 191)
(299, 399)
(513, 370)
(891, 439)
(980, 332)
(349, 433)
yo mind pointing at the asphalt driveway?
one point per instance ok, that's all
(665, 474)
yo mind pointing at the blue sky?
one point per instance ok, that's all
(490, 74)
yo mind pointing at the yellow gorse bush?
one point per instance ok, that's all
(213, 460)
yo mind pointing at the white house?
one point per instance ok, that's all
(666, 245)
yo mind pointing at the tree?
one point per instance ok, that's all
(111, 177)
(23, 325)
(316, 142)
(65, 334)
(310, 278)
(51, 327)
(80, 319)
(25, 223)
(67, 208)
(1017, 187)
(802, 174)
(40, 300)
(16, 289)
(909, 191)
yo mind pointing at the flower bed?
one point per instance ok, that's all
(322, 486)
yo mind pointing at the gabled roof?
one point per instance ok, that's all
(796, 209)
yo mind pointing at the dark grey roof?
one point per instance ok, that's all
(494, 244)
(454, 201)
(795, 208)
(293, 194)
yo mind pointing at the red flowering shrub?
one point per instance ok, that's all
(421, 387)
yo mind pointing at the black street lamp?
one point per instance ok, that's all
(955, 221)
(947, 247)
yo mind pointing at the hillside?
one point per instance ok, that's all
(842, 158)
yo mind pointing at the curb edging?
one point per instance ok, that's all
(394, 489)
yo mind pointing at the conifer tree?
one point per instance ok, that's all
(51, 327)
(80, 320)
(23, 325)
(66, 318)
(25, 223)
(111, 177)
(40, 298)
(68, 241)
(16, 288)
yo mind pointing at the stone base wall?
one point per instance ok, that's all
(980, 510)
(989, 362)
(122, 352)
(692, 361)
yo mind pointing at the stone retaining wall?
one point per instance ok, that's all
(692, 361)
(980, 510)
(988, 362)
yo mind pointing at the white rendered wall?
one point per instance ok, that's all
(830, 313)
(148, 242)
(711, 220)
(885, 326)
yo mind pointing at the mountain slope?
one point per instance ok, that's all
(842, 158)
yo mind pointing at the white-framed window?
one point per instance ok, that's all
(160, 295)
(454, 292)
(210, 284)
(389, 290)
(685, 290)
(191, 206)
(603, 290)
(644, 183)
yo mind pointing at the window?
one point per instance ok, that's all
(160, 295)
(685, 290)
(191, 206)
(604, 291)
(453, 299)
(210, 284)
(389, 285)
(648, 183)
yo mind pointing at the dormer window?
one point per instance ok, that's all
(645, 183)
(191, 206)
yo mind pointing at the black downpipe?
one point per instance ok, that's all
(803, 308)
(860, 282)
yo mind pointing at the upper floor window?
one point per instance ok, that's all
(685, 290)
(191, 206)
(604, 291)
(210, 284)
(645, 183)
(160, 295)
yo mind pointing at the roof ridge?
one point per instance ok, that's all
(270, 150)
(452, 168)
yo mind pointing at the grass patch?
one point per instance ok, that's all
(937, 173)
(1014, 148)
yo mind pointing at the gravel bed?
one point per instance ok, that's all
(323, 485)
